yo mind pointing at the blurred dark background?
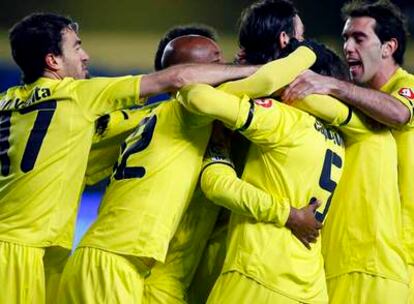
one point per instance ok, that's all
(321, 17)
(121, 36)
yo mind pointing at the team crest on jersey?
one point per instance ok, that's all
(265, 102)
(407, 93)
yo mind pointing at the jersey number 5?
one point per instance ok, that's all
(36, 137)
(325, 181)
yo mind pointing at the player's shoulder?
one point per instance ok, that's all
(401, 79)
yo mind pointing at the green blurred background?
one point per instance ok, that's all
(123, 35)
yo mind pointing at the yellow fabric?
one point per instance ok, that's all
(39, 194)
(287, 161)
(139, 215)
(97, 276)
(395, 85)
(411, 284)
(243, 198)
(359, 288)
(363, 232)
(272, 76)
(210, 265)
(173, 277)
(365, 210)
(107, 142)
(22, 278)
(404, 137)
(235, 288)
(54, 261)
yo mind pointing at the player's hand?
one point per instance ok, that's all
(240, 57)
(323, 56)
(306, 84)
(303, 224)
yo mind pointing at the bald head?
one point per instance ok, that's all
(191, 49)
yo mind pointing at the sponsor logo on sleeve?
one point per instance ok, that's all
(407, 93)
(265, 102)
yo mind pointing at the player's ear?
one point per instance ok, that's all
(283, 40)
(53, 62)
(389, 47)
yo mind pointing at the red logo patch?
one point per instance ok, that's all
(265, 103)
(406, 92)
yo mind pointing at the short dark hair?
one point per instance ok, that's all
(179, 31)
(35, 36)
(329, 63)
(390, 22)
(261, 25)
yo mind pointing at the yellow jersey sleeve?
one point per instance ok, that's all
(273, 75)
(401, 87)
(101, 95)
(110, 132)
(203, 99)
(241, 113)
(353, 124)
(221, 185)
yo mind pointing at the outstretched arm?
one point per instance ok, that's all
(176, 77)
(273, 75)
(378, 105)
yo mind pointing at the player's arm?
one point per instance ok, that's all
(203, 99)
(176, 77)
(239, 113)
(221, 185)
(273, 75)
(110, 131)
(332, 111)
(380, 106)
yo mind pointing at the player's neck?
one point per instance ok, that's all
(383, 76)
(52, 74)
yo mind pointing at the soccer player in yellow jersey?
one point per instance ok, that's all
(142, 208)
(368, 220)
(169, 280)
(294, 158)
(46, 130)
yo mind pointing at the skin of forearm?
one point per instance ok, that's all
(175, 77)
(375, 104)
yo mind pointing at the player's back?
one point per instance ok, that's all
(46, 131)
(152, 184)
(364, 233)
(296, 157)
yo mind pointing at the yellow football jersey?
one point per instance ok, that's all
(293, 156)
(187, 246)
(401, 86)
(46, 131)
(110, 131)
(152, 184)
(363, 232)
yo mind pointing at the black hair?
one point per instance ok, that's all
(390, 22)
(260, 26)
(33, 38)
(328, 63)
(179, 31)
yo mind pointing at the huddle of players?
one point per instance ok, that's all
(154, 221)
